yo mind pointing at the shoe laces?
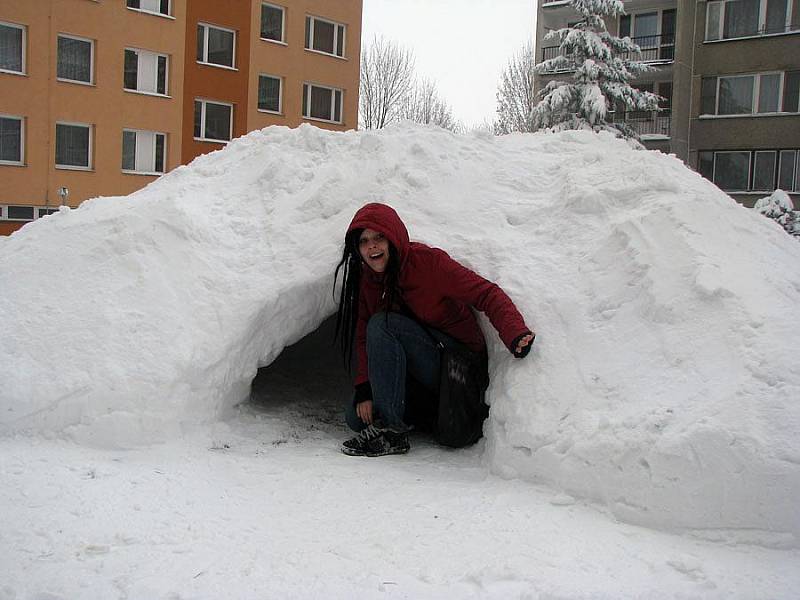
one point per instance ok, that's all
(370, 432)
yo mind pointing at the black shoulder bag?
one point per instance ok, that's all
(463, 379)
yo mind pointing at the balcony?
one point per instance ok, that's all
(646, 124)
(653, 49)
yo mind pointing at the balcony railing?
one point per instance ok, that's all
(645, 123)
(652, 49)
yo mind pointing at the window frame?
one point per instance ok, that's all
(749, 169)
(752, 183)
(205, 101)
(38, 212)
(307, 100)
(21, 162)
(309, 37)
(5, 217)
(754, 112)
(90, 153)
(206, 28)
(166, 73)
(762, 21)
(779, 154)
(47, 210)
(281, 41)
(134, 171)
(24, 52)
(168, 15)
(280, 94)
(659, 35)
(795, 174)
(91, 81)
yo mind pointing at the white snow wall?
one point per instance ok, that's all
(664, 381)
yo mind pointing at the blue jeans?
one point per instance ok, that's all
(397, 346)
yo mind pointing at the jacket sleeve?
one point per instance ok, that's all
(468, 287)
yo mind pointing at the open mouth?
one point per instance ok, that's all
(376, 256)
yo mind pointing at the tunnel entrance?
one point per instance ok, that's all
(307, 385)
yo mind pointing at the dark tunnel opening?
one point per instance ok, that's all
(307, 383)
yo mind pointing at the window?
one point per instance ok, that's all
(752, 171)
(19, 213)
(42, 211)
(11, 140)
(159, 7)
(145, 71)
(731, 170)
(735, 95)
(730, 19)
(653, 32)
(665, 91)
(12, 48)
(791, 91)
(73, 146)
(75, 59)
(789, 171)
(269, 93)
(143, 151)
(272, 22)
(213, 121)
(324, 36)
(216, 46)
(322, 103)
(750, 94)
(764, 171)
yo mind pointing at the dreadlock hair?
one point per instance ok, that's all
(350, 267)
(347, 314)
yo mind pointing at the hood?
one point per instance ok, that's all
(383, 218)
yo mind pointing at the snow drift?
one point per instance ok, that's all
(664, 381)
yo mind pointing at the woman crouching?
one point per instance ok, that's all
(402, 302)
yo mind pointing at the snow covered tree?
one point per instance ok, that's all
(603, 69)
(515, 94)
(780, 209)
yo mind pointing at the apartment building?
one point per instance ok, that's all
(100, 97)
(729, 71)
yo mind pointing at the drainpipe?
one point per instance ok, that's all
(50, 124)
(691, 81)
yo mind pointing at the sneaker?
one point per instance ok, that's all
(376, 441)
(389, 442)
(357, 446)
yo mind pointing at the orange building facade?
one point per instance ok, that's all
(100, 97)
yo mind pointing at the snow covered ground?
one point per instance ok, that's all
(264, 506)
(661, 392)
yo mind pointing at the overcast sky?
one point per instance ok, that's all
(463, 45)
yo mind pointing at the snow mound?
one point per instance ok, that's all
(664, 380)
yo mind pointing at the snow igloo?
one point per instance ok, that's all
(664, 381)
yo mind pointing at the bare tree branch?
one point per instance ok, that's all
(423, 105)
(515, 95)
(387, 75)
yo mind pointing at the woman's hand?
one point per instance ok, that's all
(522, 346)
(364, 411)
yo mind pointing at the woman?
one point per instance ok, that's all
(399, 298)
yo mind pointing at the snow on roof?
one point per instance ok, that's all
(664, 380)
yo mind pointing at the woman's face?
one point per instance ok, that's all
(374, 249)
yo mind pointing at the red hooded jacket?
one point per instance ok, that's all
(437, 289)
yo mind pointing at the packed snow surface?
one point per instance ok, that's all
(663, 382)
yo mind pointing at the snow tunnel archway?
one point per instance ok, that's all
(307, 384)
